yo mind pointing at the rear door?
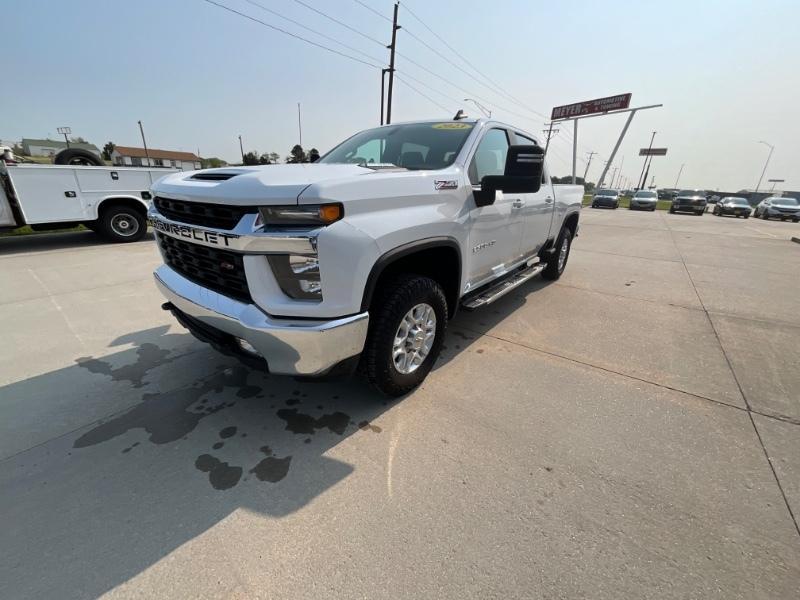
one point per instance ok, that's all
(535, 212)
(496, 229)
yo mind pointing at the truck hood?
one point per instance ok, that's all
(249, 186)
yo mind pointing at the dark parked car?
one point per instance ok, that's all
(732, 205)
(606, 199)
(689, 201)
(778, 207)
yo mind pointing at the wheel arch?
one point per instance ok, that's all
(437, 257)
(129, 201)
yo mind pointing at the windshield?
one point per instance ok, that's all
(785, 201)
(737, 201)
(414, 146)
(606, 193)
(646, 194)
(692, 193)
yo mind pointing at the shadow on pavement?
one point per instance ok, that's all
(200, 437)
(46, 242)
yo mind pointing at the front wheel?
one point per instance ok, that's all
(557, 262)
(406, 332)
(764, 216)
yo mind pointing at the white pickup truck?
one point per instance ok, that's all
(362, 257)
(112, 201)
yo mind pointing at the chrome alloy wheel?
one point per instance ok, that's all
(124, 224)
(414, 338)
(562, 254)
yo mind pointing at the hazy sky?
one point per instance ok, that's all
(727, 72)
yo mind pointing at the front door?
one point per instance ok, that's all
(536, 212)
(496, 230)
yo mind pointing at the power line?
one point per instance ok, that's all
(345, 25)
(290, 34)
(431, 100)
(493, 85)
(369, 8)
(319, 33)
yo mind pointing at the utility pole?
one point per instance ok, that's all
(383, 92)
(679, 175)
(588, 162)
(549, 132)
(643, 177)
(613, 176)
(392, 47)
(241, 148)
(146, 153)
(647, 172)
(622, 162)
(771, 148)
(299, 125)
(549, 135)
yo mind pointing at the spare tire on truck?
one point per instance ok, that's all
(78, 156)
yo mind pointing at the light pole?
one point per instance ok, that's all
(480, 106)
(146, 153)
(643, 178)
(771, 148)
(241, 147)
(679, 176)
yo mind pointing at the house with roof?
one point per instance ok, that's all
(34, 147)
(128, 156)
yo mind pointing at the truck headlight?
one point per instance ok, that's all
(310, 215)
(297, 275)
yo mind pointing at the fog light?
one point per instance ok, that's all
(247, 347)
(311, 287)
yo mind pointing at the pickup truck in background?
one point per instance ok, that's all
(112, 201)
(360, 259)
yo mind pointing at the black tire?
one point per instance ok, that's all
(78, 156)
(764, 216)
(394, 300)
(671, 211)
(552, 271)
(122, 224)
(747, 216)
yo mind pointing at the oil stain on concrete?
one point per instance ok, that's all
(271, 468)
(221, 475)
(298, 422)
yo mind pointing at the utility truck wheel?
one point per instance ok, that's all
(122, 224)
(406, 331)
(557, 261)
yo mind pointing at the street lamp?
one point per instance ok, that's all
(771, 148)
(480, 106)
(65, 131)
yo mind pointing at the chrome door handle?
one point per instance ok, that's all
(549, 199)
(518, 203)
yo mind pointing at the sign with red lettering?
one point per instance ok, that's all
(590, 107)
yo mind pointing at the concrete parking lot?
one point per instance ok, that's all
(631, 431)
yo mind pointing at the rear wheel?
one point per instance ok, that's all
(122, 224)
(557, 262)
(764, 216)
(406, 333)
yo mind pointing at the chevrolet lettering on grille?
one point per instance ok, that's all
(185, 231)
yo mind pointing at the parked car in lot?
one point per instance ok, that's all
(689, 201)
(778, 207)
(606, 199)
(363, 256)
(732, 205)
(644, 200)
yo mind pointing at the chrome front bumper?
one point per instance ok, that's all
(290, 346)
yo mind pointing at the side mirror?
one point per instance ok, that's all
(522, 175)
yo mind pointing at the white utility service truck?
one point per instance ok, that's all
(361, 258)
(112, 201)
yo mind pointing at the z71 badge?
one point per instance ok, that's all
(445, 184)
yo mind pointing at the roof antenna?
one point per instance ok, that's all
(460, 115)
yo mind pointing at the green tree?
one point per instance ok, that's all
(212, 163)
(313, 155)
(108, 149)
(265, 159)
(274, 158)
(297, 155)
(250, 158)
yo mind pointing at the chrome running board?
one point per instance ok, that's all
(501, 288)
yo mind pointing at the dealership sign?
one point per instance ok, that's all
(590, 107)
(652, 151)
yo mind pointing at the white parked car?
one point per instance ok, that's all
(644, 200)
(364, 255)
(778, 207)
